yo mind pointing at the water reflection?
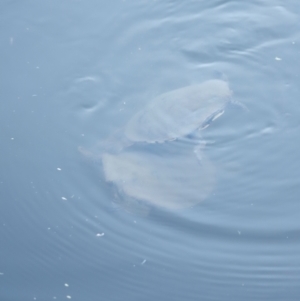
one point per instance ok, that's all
(168, 175)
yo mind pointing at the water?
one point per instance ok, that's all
(72, 73)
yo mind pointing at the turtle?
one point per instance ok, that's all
(149, 162)
(173, 115)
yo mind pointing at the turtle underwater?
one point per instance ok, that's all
(173, 115)
(165, 171)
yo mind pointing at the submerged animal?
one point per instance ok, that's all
(177, 113)
(146, 161)
(174, 114)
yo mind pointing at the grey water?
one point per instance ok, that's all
(75, 72)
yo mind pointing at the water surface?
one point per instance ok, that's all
(72, 75)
